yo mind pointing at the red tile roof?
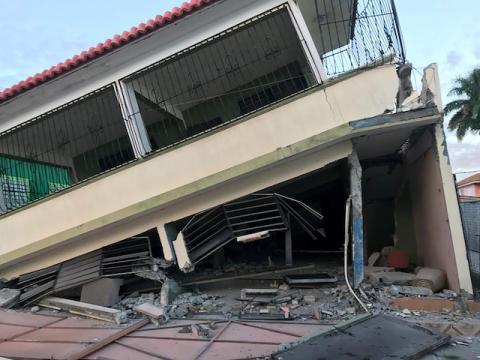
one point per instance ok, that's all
(103, 48)
(472, 179)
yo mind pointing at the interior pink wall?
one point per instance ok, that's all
(429, 210)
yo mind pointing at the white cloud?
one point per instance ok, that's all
(454, 58)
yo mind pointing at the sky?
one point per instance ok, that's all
(38, 34)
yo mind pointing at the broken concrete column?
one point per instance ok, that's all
(431, 95)
(356, 218)
(102, 292)
(166, 234)
(181, 252)
(8, 297)
(170, 291)
(405, 88)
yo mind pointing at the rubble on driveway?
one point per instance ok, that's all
(203, 307)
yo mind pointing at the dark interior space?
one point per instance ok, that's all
(323, 191)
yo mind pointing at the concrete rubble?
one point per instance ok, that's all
(8, 296)
(269, 298)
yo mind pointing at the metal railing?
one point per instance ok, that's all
(357, 33)
(245, 68)
(61, 148)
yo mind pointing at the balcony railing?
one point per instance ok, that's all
(351, 34)
(61, 148)
(225, 77)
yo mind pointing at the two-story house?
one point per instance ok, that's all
(213, 102)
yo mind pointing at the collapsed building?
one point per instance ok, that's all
(228, 132)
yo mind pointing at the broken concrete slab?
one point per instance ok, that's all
(410, 290)
(470, 327)
(102, 292)
(391, 277)
(8, 297)
(373, 338)
(152, 311)
(434, 279)
(84, 309)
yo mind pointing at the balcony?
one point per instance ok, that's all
(221, 80)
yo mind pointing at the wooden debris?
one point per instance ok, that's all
(8, 297)
(83, 309)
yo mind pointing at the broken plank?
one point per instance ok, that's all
(249, 275)
(83, 309)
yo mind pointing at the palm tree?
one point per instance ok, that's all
(466, 110)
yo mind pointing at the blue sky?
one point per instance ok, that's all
(39, 34)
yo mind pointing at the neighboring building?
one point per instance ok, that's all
(218, 100)
(469, 188)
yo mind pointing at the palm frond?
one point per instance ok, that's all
(455, 105)
(462, 130)
(455, 121)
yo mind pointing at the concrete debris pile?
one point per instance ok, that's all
(182, 305)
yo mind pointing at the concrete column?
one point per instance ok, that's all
(307, 42)
(135, 125)
(453, 211)
(167, 237)
(357, 217)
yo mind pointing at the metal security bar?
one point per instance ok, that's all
(61, 148)
(245, 68)
(211, 230)
(350, 34)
